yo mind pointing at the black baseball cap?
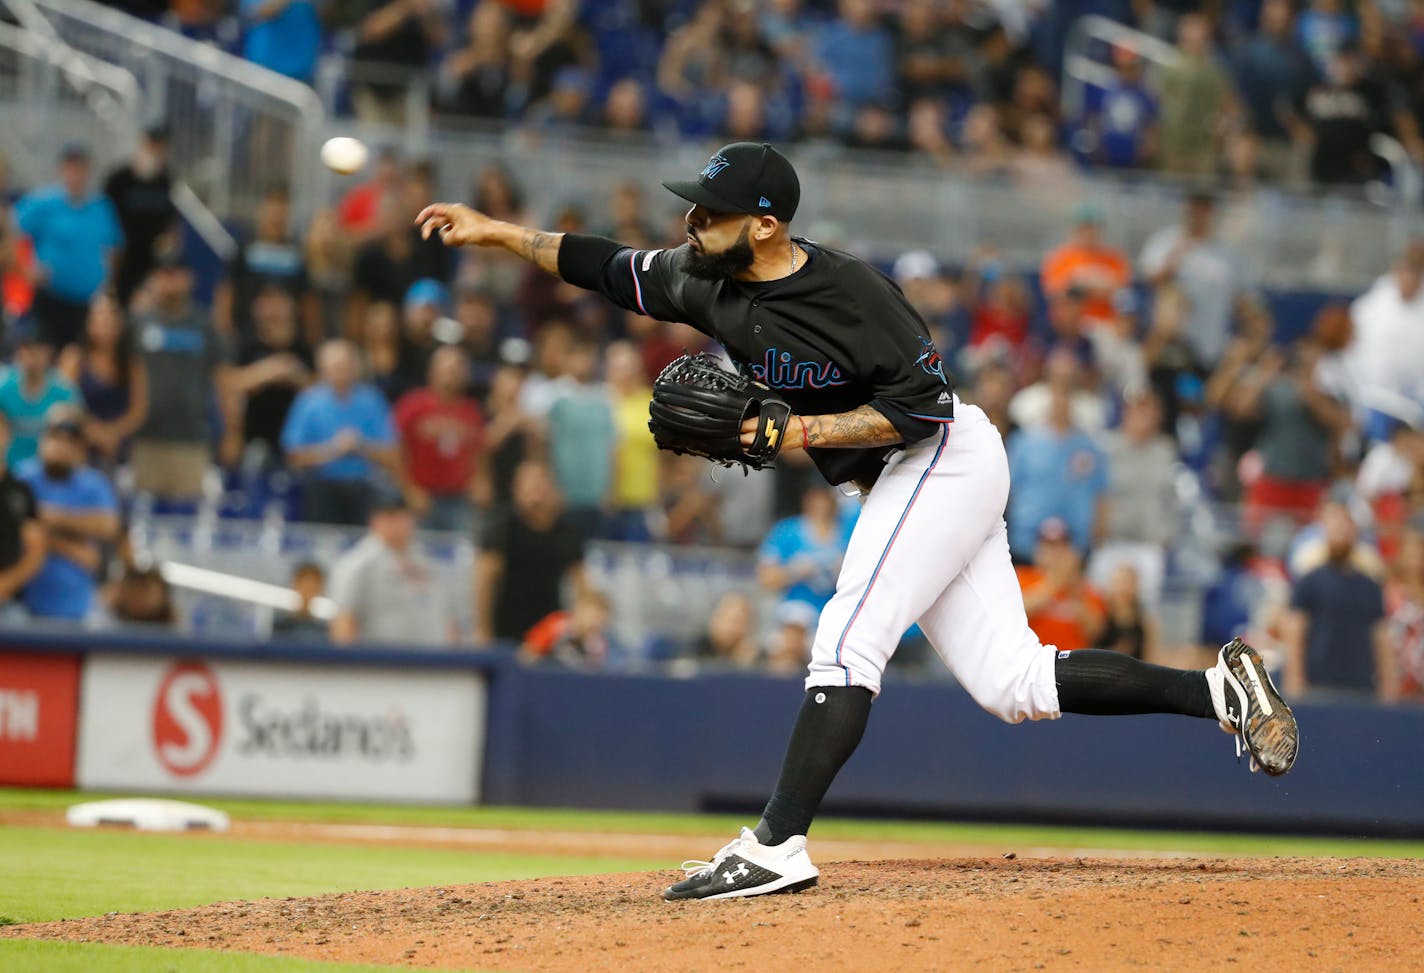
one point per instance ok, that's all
(745, 177)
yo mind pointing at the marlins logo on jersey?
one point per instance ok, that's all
(930, 361)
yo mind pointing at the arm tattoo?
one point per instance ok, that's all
(540, 249)
(865, 426)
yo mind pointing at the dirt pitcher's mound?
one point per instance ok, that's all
(1308, 914)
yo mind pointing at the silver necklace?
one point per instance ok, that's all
(793, 256)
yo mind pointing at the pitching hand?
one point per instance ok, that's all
(457, 224)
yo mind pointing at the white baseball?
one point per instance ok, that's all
(344, 154)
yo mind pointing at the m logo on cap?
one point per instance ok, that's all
(715, 165)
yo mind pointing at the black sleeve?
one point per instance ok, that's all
(912, 387)
(651, 282)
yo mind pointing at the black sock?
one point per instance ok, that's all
(1102, 683)
(828, 729)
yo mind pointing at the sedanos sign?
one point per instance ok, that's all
(270, 729)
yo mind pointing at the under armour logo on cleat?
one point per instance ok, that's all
(741, 871)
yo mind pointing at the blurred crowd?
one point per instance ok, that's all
(356, 374)
(1281, 90)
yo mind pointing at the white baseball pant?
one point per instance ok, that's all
(931, 547)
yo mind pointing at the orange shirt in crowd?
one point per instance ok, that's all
(1103, 270)
(1059, 622)
(17, 289)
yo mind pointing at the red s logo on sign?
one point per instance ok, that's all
(187, 719)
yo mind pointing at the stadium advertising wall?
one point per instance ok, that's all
(258, 728)
(38, 695)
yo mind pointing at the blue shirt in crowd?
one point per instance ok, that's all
(319, 414)
(793, 541)
(862, 62)
(27, 415)
(65, 588)
(72, 240)
(1054, 475)
(1125, 114)
(1343, 605)
(287, 43)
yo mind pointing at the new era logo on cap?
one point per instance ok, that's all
(764, 203)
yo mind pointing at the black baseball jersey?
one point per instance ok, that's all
(833, 336)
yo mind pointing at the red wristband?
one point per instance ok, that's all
(805, 439)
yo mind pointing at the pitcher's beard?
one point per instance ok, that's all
(724, 265)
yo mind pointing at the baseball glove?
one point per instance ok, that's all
(698, 407)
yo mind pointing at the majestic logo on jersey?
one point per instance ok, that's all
(780, 371)
(930, 361)
(715, 165)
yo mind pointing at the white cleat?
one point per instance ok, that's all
(747, 867)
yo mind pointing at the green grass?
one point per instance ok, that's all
(1008, 837)
(31, 956)
(54, 874)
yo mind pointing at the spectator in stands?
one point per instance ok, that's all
(1326, 27)
(141, 596)
(1040, 166)
(75, 233)
(1087, 263)
(986, 148)
(441, 435)
(386, 590)
(270, 367)
(1168, 355)
(1203, 269)
(475, 80)
(1404, 600)
(1063, 374)
(636, 464)
(142, 195)
(302, 625)
(1063, 609)
(930, 59)
(992, 391)
(79, 512)
(388, 265)
(1121, 131)
(282, 36)
(22, 536)
(789, 648)
(112, 379)
(272, 257)
(1337, 116)
(730, 637)
(360, 208)
(935, 295)
(801, 556)
(1128, 627)
(29, 388)
(1386, 354)
(1272, 73)
(1057, 471)
(425, 308)
(186, 367)
(390, 362)
(339, 434)
(577, 639)
(1000, 317)
(394, 44)
(582, 437)
(527, 551)
(1300, 423)
(857, 54)
(511, 437)
(329, 253)
(1336, 636)
(1255, 329)
(1387, 476)
(625, 108)
(1142, 498)
(1197, 102)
